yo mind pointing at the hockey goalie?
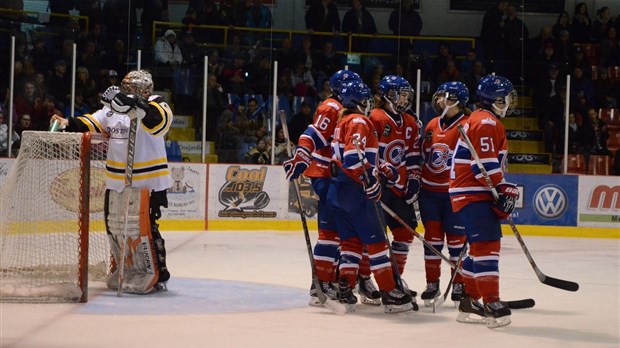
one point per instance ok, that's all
(137, 177)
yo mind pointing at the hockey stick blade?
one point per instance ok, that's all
(335, 306)
(520, 304)
(559, 283)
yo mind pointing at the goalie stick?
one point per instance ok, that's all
(545, 279)
(330, 304)
(131, 149)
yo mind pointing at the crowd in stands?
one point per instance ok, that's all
(239, 85)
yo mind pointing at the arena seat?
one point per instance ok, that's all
(599, 165)
(576, 164)
(611, 117)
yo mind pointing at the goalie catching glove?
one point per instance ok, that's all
(131, 105)
(508, 194)
(108, 95)
(413, 187)
(373, 186)
(298, 164)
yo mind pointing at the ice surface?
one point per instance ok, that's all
(249, 289)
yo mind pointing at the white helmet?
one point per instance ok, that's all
(138, 82)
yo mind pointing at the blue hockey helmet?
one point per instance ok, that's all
(397, 92)
(497, 94)
(454, 91)
(356, 95)
(341, 77)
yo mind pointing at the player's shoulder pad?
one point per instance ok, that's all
(156, 98)
(359, 119)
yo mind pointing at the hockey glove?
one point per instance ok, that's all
(373, 188)
(298, 164)
(142, 107)
(505, 204)
(122, 103)
(108, 95)
(413, 187)
(389, 174)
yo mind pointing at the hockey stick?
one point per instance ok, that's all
(458, 262)
(545, 279)
(395, 271)
(332, 305)
(131, 149)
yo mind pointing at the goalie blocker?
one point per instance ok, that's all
(145, 255)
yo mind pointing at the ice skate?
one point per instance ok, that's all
(457, 293)
(396, 301)
(328, 289)
(431, 294)
(471, 311)
(345, 296)
(161, 286)
(497, 314)
(412, 293)
(368, 292)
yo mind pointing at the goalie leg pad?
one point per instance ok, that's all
(141, 272)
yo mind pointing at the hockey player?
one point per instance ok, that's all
(472, 198)
(145, 267)
(398, 135)
(353, 193)
(440, 223)
(312, 157)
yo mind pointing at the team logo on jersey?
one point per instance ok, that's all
(395, 151)
(439, 158)
(550, 201)
(387, 130)
(242, 195)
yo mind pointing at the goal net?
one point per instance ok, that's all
(52, 231)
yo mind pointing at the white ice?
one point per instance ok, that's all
(249, 289)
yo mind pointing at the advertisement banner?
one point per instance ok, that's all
(186, 198)
(546, 199)
(599, 201)
(309, 199)
(240, 192)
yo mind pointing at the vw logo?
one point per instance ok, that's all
(550, 201)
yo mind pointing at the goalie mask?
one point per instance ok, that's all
(138, 82)
(450, 95)
(357, 96)
(496, 94)
(397, 93)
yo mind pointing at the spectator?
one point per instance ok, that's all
(301, 120)
(580, 61)
(601, 24)
(208, 15)
(327, 61)
(24, 122)
(303, 81)
(596, 135)
(167, 51)
(257, 16)
(549, 106)
(307, 56)
(564, 48)
(232, 13)
(322, 16)
(234, 76)
(358, 20)
(4, 136)
(49, 110)
(450, 73)
(88, 57)
(441, 61)
(26, 102)
(258, 154)
(228, 139)
(255, 112)
(40, 87)
(173, 149)
(468, 63)
(80, 108)
(281, 147)
(563, 23)
(491, 32)
(610, 50)
(324, 93)
(152, 10)
(286, 55)
(405, 21)
(193, 55)
(581, 87)
(216, 104)
(515, 37)
(90, 9)
(234, 48)
(41, 56)
(575, 135)
(59, 83)
(117, 18)
(605, 91)
(111, 79)
(86, 86)
(580, 28)
(473, 78)
(115, 59)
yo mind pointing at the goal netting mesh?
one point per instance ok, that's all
(52, 233)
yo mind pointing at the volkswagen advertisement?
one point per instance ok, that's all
(549, 200)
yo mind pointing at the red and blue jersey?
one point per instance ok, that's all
(351, 128)
(437, 148)
(488, 137)
(317, 137)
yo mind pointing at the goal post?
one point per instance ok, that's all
(52, 230)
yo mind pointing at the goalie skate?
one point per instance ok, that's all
(369, 294)
(471, 311)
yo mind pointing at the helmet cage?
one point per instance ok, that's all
(401, 99)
